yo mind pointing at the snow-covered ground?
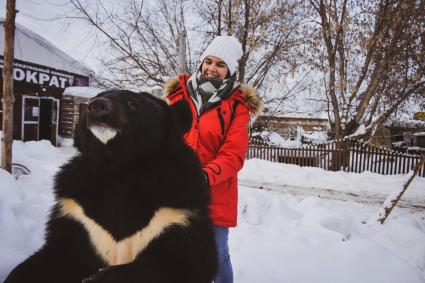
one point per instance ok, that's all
(291, 231)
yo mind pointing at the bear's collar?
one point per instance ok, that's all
(250, 96)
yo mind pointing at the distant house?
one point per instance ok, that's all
(408, 135)
(289, 127)
(73, 103)
(381, 137)
(41, 74)
(419, 139)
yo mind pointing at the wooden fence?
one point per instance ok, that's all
(340, 155)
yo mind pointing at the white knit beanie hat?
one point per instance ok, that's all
(227, 48)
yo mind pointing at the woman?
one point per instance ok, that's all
(221, 110)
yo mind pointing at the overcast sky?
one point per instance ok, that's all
(46, 18)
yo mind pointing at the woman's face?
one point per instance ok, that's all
(214, 67)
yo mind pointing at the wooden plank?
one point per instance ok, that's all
(330, 156)
(392, 163)
(338, 155)
(398, 163)
(373, 158)
(308, 153)
(262, 151)
(266, 152)
(354, 156)
(311, 156)
(366, 157)
(351, 163)
(387, 163)
(383, 161)
(395, 163)
(361, 158)
(302, 153)
(346, 153)
(415, 160)
(404, 171)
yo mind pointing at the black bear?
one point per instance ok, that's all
(132, 206)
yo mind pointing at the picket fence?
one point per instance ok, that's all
(347, 155)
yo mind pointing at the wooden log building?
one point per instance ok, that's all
(287, 126)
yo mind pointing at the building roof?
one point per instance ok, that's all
(33, 48)
(82, 91)
(293, 118)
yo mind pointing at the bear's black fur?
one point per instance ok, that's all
(112, 189)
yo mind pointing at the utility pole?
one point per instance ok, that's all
(8, 99)
(182, 53)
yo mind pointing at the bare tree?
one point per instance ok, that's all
(141, 40)
(374, 54)
(7, 100)
(267, 30)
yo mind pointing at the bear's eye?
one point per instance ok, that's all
(132, 104)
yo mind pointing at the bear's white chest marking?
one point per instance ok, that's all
(104, 134)
(124, 251)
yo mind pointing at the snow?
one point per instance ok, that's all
(290, 231)
(314, 137)
(82, 91)
(361, 130)
(406, 123)
(315, 181)
(392, 198)
(277, 139)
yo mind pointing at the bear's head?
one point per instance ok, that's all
(125, 125)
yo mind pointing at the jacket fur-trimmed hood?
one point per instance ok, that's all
(250, 95)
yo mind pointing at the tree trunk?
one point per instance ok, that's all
(219, 17)
(8, 99)
(182, 53)
(244, 42)
(229, 21)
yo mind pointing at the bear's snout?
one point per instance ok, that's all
(101, 119)
(99, 107)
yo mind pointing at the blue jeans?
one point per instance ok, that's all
(225, 271)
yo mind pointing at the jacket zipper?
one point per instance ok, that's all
(220, 117)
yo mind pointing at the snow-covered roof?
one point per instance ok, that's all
(314, 115)
(82, 91)
(33, 48)
(407, 124)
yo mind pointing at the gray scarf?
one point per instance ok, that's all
(206, 92)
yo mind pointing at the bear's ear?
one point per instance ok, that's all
(182, 111)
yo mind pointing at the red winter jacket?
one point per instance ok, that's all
(220, 143)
